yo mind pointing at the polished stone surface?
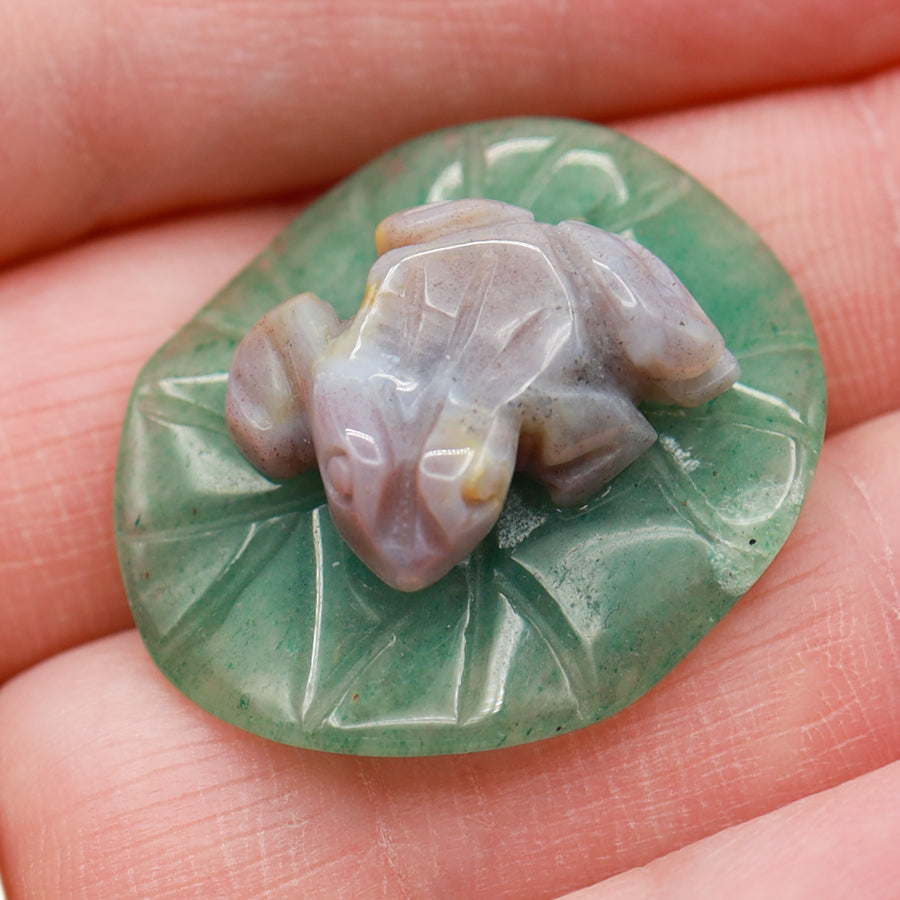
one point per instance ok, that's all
(487, 343)
(253, 605)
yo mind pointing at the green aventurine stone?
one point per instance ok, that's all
(251, 603)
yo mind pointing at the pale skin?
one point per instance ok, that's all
(149, 150)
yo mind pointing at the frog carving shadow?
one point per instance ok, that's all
(486, 342)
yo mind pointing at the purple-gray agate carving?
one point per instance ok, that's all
(486, 343)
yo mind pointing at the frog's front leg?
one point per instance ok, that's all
(465, 470)
(267, 402)
(577, 441)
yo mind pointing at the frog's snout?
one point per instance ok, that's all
(411, 519)
(425, 519)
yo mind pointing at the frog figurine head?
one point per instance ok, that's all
(486, 342)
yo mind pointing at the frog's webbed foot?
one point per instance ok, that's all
(580, 440)
(267, 402)
(701, 388)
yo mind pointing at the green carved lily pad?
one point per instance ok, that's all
(251, 603)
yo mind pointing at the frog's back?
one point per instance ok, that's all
(488, 308)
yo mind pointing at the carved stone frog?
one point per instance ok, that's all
(486, 342)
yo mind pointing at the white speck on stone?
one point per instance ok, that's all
(680, 455)
(516, 522)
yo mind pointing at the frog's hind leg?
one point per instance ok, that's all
(269, 385)
(576, 442)
(435, 220)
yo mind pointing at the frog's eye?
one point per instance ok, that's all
(339, 474)
(363, 446)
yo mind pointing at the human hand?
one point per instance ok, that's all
(150, 135)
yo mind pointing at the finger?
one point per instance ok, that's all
(74, 333)
(840, 843)
(792, 693)
(120, 110)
